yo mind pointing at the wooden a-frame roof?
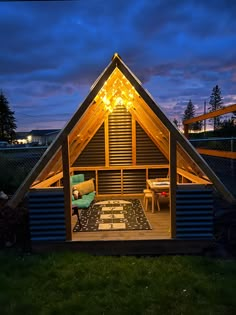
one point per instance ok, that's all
(118, 82)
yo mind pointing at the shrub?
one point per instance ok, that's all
(12, 175)
(14, 227)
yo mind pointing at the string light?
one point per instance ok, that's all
(120, 92)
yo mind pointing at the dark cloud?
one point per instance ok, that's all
(52, 51)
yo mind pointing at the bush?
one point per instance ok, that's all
(14, 227)
(11, 175)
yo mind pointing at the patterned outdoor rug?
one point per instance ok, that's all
(113, 215)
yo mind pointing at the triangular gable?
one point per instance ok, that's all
(90, 115)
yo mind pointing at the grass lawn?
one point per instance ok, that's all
(71, 283)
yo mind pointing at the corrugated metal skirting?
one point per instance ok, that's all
(194, 214)
(46, 214)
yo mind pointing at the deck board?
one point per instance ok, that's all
(159, 221)
(119, 243)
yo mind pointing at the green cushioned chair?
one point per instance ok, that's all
(76, 179)
(87, 199)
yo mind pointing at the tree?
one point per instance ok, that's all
(189, 113)
(7, 120)
(216, 102)
(197, 126)
(228, 128)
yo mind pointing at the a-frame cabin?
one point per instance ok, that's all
(120, 137)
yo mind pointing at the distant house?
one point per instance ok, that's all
(21, 137)
(42, 137)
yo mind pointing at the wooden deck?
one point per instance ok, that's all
(159, 221)
(123, 243)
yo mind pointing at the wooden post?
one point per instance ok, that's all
(106, 127)
(186, 130)
(67, 189)
(133, 141)
(173, 178)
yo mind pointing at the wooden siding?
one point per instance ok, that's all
(134, 181)
(109, 182)
(158, 173)
(194, 212)
(146, 151)
(120, 136)
(94, 152)
(87, 174)
(159, 222)
(46, 215)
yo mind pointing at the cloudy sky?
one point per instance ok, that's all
(51, 52)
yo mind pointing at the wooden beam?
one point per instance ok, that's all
(49, 168)
(216, 113)
(106, 130)
(186, 162)
(186, 128)
(133, 141)
(67, 189)
(49, 181)
(78, 146)
(143, 111)
(173, 180)
(144, 122)
(91, 110)
(146, 117)
(81, 146)
(125, 167)
(193, 178)
(86, 121)
(82, 131)
(223, 154)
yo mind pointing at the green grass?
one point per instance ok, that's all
(71, 283)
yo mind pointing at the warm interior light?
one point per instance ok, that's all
(119, 101)
(129, 105)
(117, 90)
(105, 100)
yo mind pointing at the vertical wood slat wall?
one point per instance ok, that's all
(112, 145)
(46, 214)
(194, 213)
(120, 136)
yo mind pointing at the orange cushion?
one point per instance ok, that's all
(85, 187)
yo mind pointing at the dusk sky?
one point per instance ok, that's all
(52, 52)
